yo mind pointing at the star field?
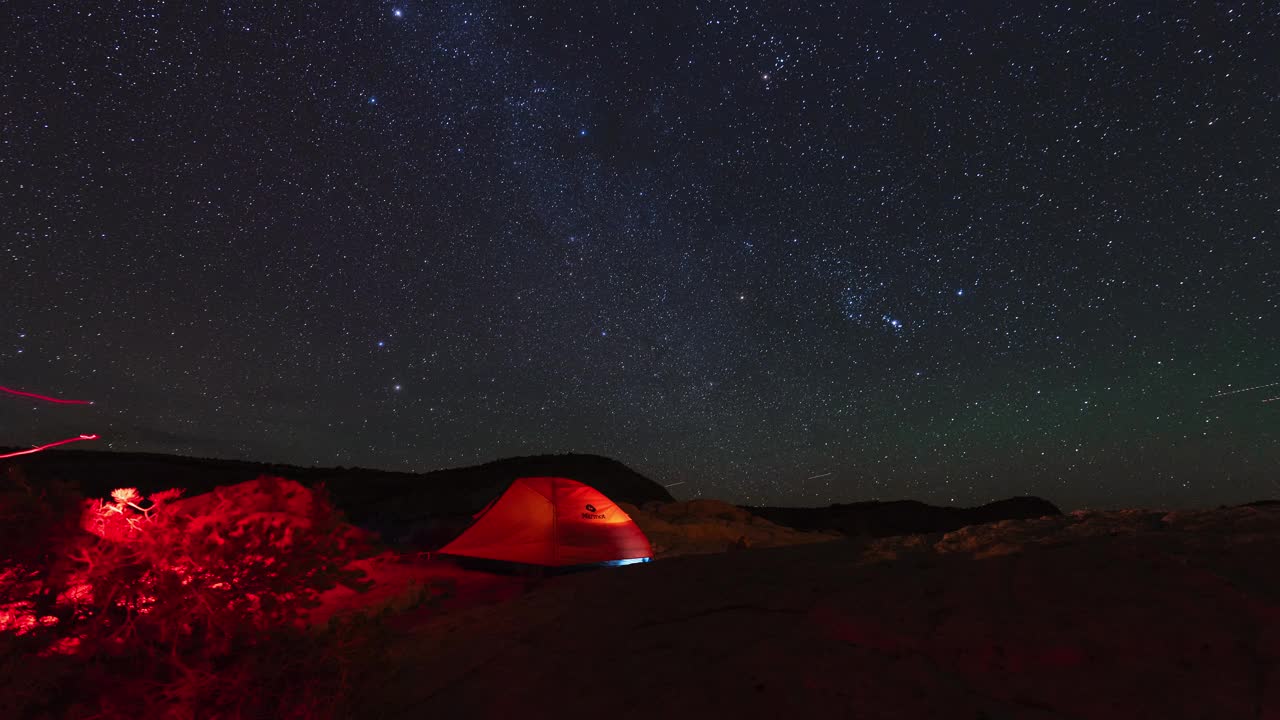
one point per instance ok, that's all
(789, 255)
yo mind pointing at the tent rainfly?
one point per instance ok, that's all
(553, 522)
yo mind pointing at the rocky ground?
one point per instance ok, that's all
(710, 526)
(1124, 614)
(1088, 615)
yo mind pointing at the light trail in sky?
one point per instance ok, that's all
(45, 398)
(815, 477)
(1255, 387)
(50, 445)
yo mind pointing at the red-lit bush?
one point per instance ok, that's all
(165, 607)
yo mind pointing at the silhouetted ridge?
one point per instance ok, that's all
(427, 506)
(903, 517)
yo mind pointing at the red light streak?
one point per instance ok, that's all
(50, 445)
(46, 398)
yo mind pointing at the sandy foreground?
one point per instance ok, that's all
(1105, 615)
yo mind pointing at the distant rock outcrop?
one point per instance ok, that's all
(710, 526)
(1245, 524)
(903, 517)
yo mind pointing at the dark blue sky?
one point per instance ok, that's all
(785, 254)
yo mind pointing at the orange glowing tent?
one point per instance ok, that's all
(553, 522)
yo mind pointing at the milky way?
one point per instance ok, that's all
(789, 255)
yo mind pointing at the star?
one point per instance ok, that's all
(480, 221)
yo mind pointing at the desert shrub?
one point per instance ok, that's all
(161, 607)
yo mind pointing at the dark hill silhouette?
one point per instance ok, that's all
(429, 509)
(903, 517)
(399, 505)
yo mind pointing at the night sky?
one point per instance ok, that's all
(783, 254)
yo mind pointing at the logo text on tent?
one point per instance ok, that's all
(591, 513)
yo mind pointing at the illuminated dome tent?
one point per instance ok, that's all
(552, 522)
